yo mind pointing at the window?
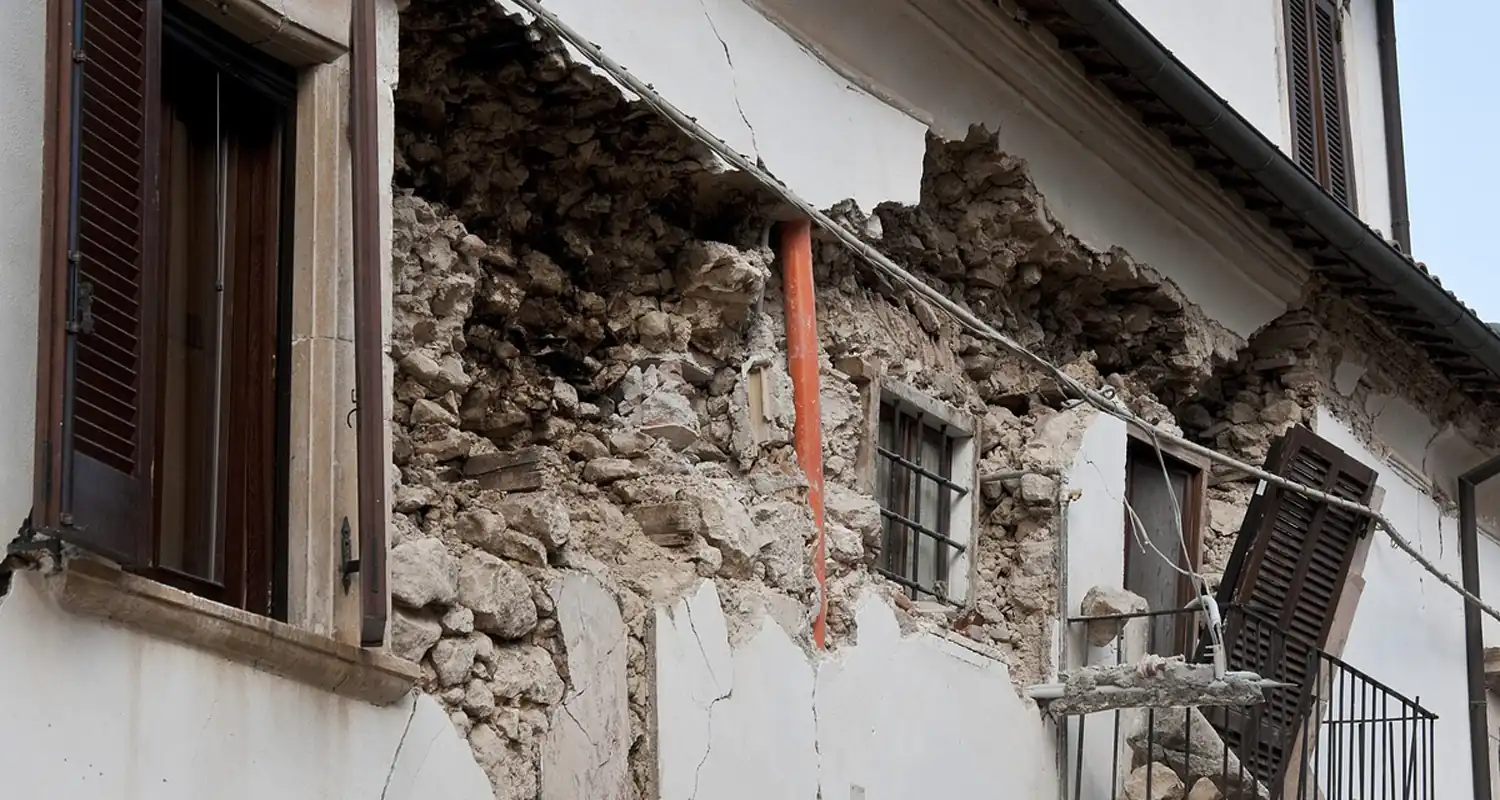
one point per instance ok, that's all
(1163, 537)
(174, 370)
(1315, 61)
(924, 474)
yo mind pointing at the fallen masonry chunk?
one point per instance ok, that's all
(1153, 682)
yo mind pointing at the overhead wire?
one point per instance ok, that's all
(976, 326)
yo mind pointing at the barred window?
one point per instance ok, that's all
(924, 479)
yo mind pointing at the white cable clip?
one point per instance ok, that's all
(1208, 607)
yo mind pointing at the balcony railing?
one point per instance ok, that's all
(1335, 733)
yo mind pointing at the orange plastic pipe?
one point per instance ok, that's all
(802, 363)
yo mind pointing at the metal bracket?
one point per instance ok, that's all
(85, 307)
(349, 565)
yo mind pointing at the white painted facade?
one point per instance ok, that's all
(836, 98)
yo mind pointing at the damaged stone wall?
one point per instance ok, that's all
(593, 413)
(1329, 352)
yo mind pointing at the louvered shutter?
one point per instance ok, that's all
(108, 405)
(1304, 116)
(1315, 59)
(1287, 570)
(1330, 47)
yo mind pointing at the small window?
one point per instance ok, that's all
(1163, 539)
(1315, 71)
(924, 475)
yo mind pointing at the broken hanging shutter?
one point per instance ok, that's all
(1328, 39)
(106, 417)
(1299, 56)
(1288, 568)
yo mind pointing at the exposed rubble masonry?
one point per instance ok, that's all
(593, 412)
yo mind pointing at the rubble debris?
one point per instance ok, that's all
(1107, 601)
(1205, 789)
(1153, 782)
(1182, 739)
(1152, 682)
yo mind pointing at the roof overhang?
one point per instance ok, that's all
(1120, 53)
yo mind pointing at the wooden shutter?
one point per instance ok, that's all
(1315, 62)
(1283, 582)
(1299, 58)
(107, 410)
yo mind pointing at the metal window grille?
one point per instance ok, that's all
(917, 495)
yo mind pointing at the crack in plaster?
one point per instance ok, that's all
(396, 756)
(734, 81)
(426, 751)
(708, 736)
(708, 742)
(602, 754)
(578, 691)
(703, 651)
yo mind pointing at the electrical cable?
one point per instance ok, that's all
(963, 316)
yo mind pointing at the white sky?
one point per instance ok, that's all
(1451, 106)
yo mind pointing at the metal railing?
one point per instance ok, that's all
(1365, 741)
(1340, 736)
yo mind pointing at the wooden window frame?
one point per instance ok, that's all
(339, 193)
(1316, 71)
(256, 468)
(255, 572)
(1194, 517)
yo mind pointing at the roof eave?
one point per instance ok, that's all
(1399, 291)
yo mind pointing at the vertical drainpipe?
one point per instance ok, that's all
(1468, 540)
(369, 358)
(802, 363)
(1395, 140)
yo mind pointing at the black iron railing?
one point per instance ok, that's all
(1364, 740)
(1342, 736)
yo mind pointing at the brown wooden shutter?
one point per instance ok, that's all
(1299, 57)
(111, 420)
(1330, 46)
(1282, 584)
(1315, 60)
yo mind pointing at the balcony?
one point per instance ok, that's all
(1321, 730)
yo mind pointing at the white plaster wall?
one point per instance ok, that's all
(754, 87)
(829, 140)
(99, 711)
(1096, 550)
(1408, 628)
(1235, 46)
(758, 717)
(1095, 557)
(1366, 115)
(23, 38)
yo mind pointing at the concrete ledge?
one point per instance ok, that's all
(297, 32)
(95, 589)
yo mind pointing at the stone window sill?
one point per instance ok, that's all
(95, 589)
